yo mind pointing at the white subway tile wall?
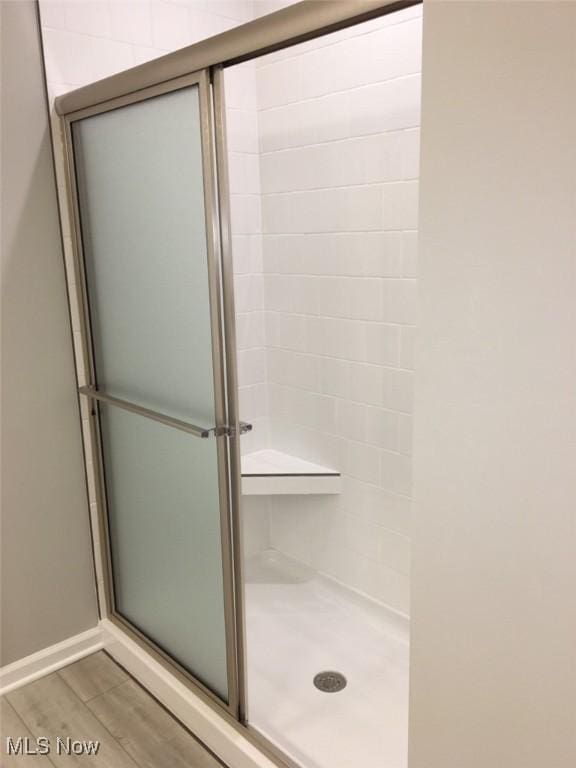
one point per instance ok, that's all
(323, 141)
(246, 222)
(338, 122)
(86, 40)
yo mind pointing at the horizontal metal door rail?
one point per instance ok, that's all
(274, 31)
(169, 421)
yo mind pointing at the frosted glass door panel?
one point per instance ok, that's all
(162, 488)
(142, 209)
(140, 180)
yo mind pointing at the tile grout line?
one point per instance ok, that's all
(306, 99)
(351, 137)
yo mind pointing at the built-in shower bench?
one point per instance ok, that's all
(268, 472)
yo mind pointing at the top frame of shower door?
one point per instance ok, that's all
(295, 24)
(102, 552)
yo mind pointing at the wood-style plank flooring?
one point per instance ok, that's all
(95, 700)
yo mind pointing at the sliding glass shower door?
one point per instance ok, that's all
(144, 179)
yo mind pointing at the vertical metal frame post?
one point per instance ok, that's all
(229, 314)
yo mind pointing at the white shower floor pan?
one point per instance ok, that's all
(299, 623)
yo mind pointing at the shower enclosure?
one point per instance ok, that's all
(195, 508)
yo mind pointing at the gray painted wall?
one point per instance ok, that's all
(493, 674)
(47, 578)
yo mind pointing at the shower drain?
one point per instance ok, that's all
(330, 682)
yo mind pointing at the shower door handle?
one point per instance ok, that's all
(169, 421)
(243, 427)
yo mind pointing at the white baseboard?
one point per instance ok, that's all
(226, 741)
(49, 659)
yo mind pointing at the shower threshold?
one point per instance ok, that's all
(299, 623)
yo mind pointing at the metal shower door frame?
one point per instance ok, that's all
(224, 431)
